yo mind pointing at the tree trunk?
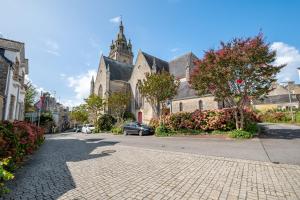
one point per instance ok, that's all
(237, 122)
(242, 120)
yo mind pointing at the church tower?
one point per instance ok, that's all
(120, 50)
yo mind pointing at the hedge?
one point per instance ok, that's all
(17, 140)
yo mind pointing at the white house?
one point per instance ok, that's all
(13, 68)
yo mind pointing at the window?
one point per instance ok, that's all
(138, 98)
(200, 104)
(100, 91)
(11, 107)
(180, 106)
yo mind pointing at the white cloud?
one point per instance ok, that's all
(289, 55)
(115, 19)
(81, 84)
(70, 103)
(52, 47)
(174, 49)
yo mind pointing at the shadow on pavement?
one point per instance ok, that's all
(274, 132)
(46, 174)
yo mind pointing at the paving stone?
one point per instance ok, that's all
(75, 167)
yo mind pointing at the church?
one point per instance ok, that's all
(117, 72)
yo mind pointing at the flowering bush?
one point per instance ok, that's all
(208, 120)
(17, 140)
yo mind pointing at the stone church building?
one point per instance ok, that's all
(117, 72)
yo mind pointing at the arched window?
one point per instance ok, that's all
(138, 98)
(100, 91)
(180, 106)
(200, 104)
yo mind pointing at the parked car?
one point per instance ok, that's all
(78, 129)
(137, 128)
(88, 128)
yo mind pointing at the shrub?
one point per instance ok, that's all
(275, 116)
(128, 116)
(105, 122)
(181, 120)
(17, 140)
(5, 175)
(116, 130)
(207, 120)
(162, 130)
(154, 123)
(240, 134)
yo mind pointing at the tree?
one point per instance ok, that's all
(79, 114)
(118, 103)
(157, 88)
(94, 105)
(30, 97)
(240, 71)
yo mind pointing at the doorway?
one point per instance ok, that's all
(140, 117)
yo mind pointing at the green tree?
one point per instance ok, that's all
(95, 105)
(118, 103)
(30, 97)
(79, 114)
(157, 88)
(240, 71)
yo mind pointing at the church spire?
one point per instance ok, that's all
(120, 50)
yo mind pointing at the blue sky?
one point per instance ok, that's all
(65, 38)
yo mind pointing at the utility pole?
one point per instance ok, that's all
(290, 98)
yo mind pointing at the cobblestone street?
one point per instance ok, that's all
(77, 166)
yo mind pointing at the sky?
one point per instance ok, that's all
(64, 39)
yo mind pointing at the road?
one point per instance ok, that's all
(103, 166)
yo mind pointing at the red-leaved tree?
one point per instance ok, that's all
(240, 71)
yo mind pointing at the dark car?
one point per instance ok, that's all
(137, 128)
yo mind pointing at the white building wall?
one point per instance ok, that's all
(14, 88)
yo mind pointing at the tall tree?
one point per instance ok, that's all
(30, 97)
(95, 105)
(157, 88)
(240, 71)
(118, 103)
(79, 114)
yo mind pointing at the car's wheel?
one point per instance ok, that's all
(140, 133)
(125, 132)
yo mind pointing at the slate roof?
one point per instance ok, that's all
(160, 64)
(185, 91)
(284, 98)
(118, 70)
(178, 66)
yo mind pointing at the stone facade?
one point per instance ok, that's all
(13, 68)
(192, 104)
(117, 72)
(1, 107)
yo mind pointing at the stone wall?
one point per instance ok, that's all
(190, 105)
(1, 107)
(140, 69)
(101, 80)
(3, 75)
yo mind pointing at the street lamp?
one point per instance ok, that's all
(299, 72)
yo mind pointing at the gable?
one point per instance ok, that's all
(177, 67)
